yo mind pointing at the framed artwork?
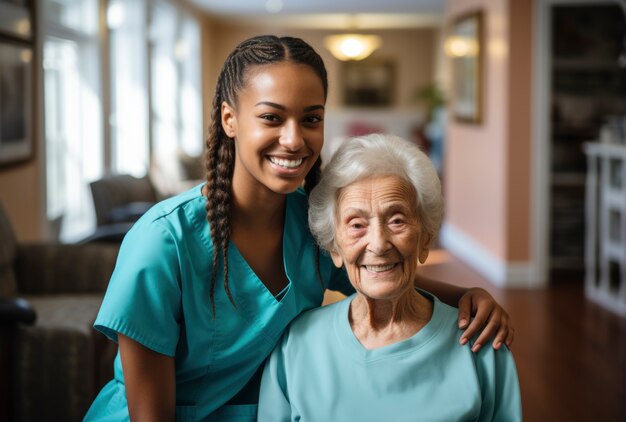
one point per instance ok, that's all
(368, 83)
(16, 18)
(16, 140)
(465, 47)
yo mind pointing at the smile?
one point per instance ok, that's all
(379, 268)
(288, 164)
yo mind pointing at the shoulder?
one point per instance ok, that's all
(314, 324)
(176, 217)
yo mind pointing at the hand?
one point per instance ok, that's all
(488, 315)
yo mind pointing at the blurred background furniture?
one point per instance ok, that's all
(52, 369)
(605, 249)
(119, 200)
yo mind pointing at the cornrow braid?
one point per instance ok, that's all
(220, 149)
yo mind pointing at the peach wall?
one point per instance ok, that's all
(487, 168)
(476, 154)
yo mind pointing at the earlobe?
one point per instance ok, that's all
(423, 255)
(337, 260)
(229, 120)
(424, 245)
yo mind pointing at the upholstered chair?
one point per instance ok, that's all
(52, 361)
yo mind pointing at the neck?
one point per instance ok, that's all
(257, 207)
(378, 323)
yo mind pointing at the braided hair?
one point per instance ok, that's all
(220, 149)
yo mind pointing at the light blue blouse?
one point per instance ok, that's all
(321, 372)
(159, 296)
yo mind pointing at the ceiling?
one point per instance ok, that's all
(329, 14)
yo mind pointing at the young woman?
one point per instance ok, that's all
(206, 282)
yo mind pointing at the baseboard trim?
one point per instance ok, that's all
(501, 273)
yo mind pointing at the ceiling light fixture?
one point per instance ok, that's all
(352, 46)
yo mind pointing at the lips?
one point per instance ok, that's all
(379, 268)
(286, 163)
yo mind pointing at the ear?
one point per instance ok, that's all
(424, 245)
(229, 120)
(337, 259)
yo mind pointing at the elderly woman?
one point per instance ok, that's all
(389, 352)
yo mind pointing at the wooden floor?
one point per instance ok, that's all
(570, 353)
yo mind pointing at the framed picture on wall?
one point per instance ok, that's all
(465, 47)
(16, 142)
(368, 83)
(15, 18)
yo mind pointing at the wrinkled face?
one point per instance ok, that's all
(278, 127)
(378, 236)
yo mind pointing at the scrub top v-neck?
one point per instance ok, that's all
(159, 295)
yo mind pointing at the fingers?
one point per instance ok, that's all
(510, 337)
(487, 333)
(482, 315)
(503, 334)
(465, 308)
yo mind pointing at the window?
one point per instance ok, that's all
(153, 41)
(176, 101)
(73, 125)
(129, 87)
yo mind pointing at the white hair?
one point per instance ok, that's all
(369, 156)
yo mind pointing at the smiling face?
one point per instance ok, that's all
(278, 127)
(378, 236)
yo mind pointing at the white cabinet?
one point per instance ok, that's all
(605, 246)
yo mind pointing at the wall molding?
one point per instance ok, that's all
(501, 273)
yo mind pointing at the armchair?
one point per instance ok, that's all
(52, 361)
(119, 200)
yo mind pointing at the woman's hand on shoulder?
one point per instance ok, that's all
(489, 317)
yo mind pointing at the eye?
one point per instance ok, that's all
(397, 220)
(312, 119)
(272, 118)
(355, 224)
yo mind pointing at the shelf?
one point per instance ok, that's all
(615, 199)
(568, 179)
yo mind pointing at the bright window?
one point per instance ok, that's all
(73, 124)
(129, 88)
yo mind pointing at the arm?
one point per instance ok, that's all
(274, 405)
(150, 382)
(501, 399)
(488, 315)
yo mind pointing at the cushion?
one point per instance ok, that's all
(56, 357)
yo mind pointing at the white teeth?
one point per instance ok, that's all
(290, 164)
(379, 268)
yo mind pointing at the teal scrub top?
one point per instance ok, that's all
(158, 295)
(321, 372)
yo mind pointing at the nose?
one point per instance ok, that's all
(378, 240)
(291, 136)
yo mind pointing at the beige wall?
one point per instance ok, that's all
(487, 168)
(412, 50)
(20, 193)
(519, 131)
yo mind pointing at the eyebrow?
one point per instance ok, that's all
(283, 108)
(390, 208)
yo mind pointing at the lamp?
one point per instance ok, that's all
(352, 46)
(461, 46)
